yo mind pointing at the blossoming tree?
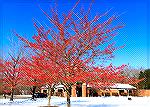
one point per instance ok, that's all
(74, 43)
(11, 71)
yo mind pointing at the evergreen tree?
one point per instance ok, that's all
(146, 83)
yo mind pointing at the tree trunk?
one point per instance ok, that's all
(12, 94)
(68, 96)
(33, 92)
(68, 100)
(49, 95)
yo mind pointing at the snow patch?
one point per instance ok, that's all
(80, 102)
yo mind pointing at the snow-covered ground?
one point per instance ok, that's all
(80, 102)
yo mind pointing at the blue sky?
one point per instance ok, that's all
(18, 14)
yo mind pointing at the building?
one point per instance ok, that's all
(83, 90)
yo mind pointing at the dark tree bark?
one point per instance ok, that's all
(68, 90)
(12, 95)
(33, 92)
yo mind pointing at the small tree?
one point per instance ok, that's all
(40, 72)
(11, 73)
(1, 75)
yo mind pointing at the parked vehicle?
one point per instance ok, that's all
(40, 95)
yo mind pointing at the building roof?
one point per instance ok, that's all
(115, 86)
(59, 86)
(123, 86)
